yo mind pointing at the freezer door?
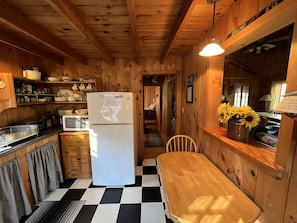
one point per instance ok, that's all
(110, 107)
(112, 154)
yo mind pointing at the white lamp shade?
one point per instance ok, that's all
(211, 49)
(265, 97)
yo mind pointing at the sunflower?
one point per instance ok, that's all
(250, 119)
(245, 114)
(241, 111)
(224, 112)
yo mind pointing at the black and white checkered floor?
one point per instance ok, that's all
(139, 203)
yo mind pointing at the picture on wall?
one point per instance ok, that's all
(190, 94)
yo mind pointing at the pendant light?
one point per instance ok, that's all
(212, 49)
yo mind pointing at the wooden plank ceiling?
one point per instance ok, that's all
(106, 29)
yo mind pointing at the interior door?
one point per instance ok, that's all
(162, 94)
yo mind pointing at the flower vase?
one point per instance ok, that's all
(236, 131)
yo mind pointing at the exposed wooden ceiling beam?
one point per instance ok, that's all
(27, 47)
(67, 9)
(181, 19)
(132, 14)
(20, 21)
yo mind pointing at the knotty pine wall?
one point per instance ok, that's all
(268, 191)
(124, 75)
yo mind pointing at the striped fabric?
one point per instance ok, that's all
(64, 211)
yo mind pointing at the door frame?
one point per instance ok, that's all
(153, 153)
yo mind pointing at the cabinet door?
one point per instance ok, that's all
(76, 155)
(85, 162)
(71, 161)
(7, 95)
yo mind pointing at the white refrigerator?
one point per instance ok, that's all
(112, 137)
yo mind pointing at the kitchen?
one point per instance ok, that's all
(127, 71)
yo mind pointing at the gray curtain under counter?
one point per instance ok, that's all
(45, 170)
(14, 202)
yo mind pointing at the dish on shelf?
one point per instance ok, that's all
(42, 100)
(66, 78)
(81, 111)
(71, 99)
(53, 78)
(78, 97)
(59, 99)
(65, 93)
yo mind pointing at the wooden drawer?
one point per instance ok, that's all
(79, 139)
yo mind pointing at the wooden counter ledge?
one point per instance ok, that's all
(262, 155)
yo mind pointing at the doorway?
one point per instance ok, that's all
(158, 112)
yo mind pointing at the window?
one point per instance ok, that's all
(241, 96)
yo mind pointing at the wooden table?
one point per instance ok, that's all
(195, 190)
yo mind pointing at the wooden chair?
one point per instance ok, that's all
(182, 143)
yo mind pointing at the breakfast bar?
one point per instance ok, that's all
(195, 190)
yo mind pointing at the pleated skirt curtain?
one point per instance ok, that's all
(45, 171)
(14, 202)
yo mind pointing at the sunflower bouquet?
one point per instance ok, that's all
(244, 114)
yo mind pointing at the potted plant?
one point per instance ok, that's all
(240, 120)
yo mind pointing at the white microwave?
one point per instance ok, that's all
(75, 122)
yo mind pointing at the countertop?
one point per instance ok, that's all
(43, 134)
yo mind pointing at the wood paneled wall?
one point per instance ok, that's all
(124, 75)
(268, 192)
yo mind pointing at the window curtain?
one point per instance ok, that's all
(276, 88)
(14, 202)
(44, 170)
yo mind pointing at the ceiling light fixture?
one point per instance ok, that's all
(212, 49)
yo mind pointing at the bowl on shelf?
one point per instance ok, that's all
(53, 78)
(42, 100)
(59, 99)
(78, 97)
(81, 111)
(71, 99)
(48, 98)
(66, 78)
(32, 74)
(65, 112)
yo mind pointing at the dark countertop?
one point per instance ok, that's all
(43, 134)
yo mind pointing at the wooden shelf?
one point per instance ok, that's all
(51, 102)
(53, 82)
(54, 85)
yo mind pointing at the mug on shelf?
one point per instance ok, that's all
(75, 87)
(89, 87)
(82, 87)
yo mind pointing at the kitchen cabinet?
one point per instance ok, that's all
(76, 154)
(28, 92)
(7, 98)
